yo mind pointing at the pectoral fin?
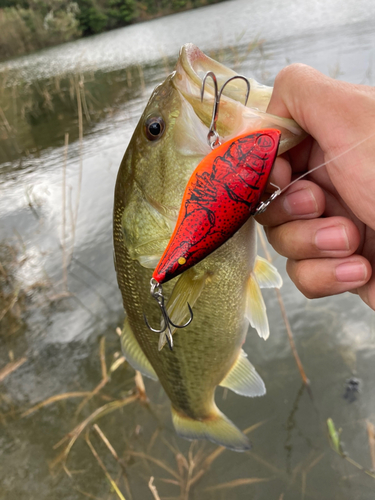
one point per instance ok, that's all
(243, 379)
(146, 229)
(149, 261)
(217, 428)
(134, 354)
(266, 274)
(186, 291)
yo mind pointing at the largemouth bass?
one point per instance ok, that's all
(223, 289)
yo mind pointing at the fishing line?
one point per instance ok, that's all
(262, 207)
(280, 191)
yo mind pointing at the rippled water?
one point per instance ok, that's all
(114, 74)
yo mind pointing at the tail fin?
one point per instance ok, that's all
(217, 428)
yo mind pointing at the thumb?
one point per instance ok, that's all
(341, 117)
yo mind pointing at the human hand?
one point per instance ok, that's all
(325, 226)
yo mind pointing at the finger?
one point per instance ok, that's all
(315, 238)
(299, 156)
(367, 292)
(323, 277)
(303, 200)
(280, 175)
(328, 109)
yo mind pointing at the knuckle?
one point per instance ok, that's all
(283, 240)
(275, 238)
(299, 273)
(290, 71)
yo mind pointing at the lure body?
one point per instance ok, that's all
(222, 193)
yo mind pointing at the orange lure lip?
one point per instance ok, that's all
(222, 193)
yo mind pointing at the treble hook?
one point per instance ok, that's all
(157, 293)
(212, 136)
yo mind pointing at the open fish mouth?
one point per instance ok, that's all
(234, 117)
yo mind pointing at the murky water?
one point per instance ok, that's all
(110, 78)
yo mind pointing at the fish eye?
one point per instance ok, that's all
(154, 128)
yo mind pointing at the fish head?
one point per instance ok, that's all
(171, 136)
(171, 139)
(167, 144)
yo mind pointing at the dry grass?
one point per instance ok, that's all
(371, 442)
(184, 471)
(54, 399)
(153, 489)
(63, 222)
(11, 367)
(189, 470)
(16, 296)
(103, 467)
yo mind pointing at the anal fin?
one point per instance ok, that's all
(243, 379)
(217, 428)
(134, 354)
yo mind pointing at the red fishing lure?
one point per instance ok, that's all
(223, 192)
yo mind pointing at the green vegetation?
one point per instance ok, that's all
(29, 25)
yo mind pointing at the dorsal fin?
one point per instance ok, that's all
(243, 379)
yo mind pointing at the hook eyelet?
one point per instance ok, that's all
(156, 292)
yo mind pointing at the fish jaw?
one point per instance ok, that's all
(234, 117)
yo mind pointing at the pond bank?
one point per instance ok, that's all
(28, 26)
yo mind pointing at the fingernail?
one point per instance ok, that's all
(300, 202)
(332, 238)
(351, 271)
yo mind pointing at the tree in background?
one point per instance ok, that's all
(29, 25)
(92, 19)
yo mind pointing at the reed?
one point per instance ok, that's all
(334, 436)
(63, 236)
